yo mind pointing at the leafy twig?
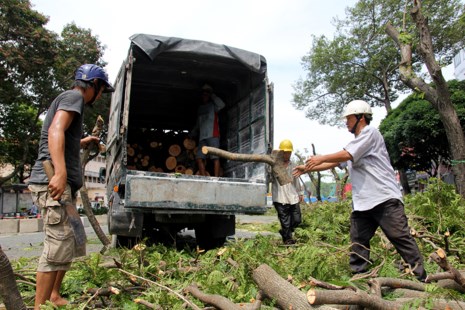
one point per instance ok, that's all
(193, 306)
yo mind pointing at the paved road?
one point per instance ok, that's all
(20, 245)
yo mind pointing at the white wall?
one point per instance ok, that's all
(459, 66)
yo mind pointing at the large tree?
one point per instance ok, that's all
(414, 134)
(36, 64)
(360, 61)
(419, 40)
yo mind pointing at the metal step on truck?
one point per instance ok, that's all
(153, 188)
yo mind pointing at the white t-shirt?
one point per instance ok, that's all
(371, 173)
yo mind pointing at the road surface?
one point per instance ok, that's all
(20, 245)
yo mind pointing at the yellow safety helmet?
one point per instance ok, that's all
(286, 146)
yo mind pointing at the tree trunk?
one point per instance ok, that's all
(84, 194)
(439, 96)
(286, 295)
(317, 182)
(404, 181)
(8, 289)
(340, 182)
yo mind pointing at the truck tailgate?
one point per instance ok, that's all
(161, 191)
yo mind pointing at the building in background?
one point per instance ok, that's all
(459, 65)
(95, 185)
(15, 198)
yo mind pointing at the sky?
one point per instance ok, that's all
(279, 30)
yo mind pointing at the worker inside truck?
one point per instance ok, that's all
(207, 129)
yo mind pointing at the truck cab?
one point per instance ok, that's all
(152, 187)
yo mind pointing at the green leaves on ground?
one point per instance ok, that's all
(322, 253)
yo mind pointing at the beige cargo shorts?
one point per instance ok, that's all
(59, 241)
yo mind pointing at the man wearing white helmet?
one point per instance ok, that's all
(376, 197)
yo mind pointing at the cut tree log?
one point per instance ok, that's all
(180, 169)
(362, 298)
(189, 144)
(145, 161)
(174, 150)
(275, 160)
(349, 297)
(171, 163)
(441, 259)
(284, 293)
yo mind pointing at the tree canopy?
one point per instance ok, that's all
(414, 134)
(36, 64)
(361, 61)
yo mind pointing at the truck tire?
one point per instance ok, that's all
(213, 232)
(206, 241)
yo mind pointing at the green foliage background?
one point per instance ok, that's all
(37, 64)
(415, 124)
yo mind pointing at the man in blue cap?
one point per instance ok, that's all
(60, 143)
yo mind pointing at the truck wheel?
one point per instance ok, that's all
(118, 241)
(206, 241)
(162, 235)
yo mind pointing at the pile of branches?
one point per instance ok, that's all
(281, 293)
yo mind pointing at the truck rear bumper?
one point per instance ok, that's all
(176, 193)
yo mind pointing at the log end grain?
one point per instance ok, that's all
(174, 150)
(189, 144)
(311, 296)
(171, 163)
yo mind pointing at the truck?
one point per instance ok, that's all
(152, 111)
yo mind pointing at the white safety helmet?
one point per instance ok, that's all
(357, 107)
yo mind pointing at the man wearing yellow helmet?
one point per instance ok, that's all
(286, 198)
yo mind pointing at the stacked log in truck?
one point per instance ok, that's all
(170, 152)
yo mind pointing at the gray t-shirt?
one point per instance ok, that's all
(73, 101)
(371, 173)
